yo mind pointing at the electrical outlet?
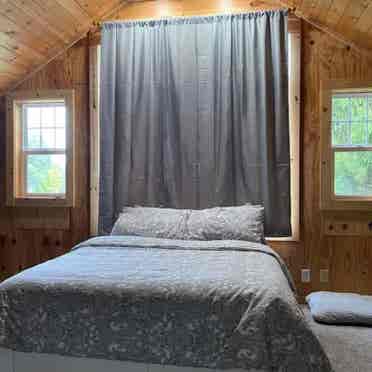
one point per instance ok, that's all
(305, 276)
(324, 276)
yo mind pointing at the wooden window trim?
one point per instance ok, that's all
(328, 201)
(295, 35)
(15, 193)
(94, 114)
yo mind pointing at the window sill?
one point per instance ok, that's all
(286, 239)
(345, 204)
(40, 202)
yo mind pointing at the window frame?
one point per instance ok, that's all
(17, 194)
(294, 92)
(295, 37)
(329, 200)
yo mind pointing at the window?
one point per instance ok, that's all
(294, 71)
(40, 155)
(346, 145)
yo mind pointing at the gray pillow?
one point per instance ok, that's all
(151, 222)
(222, 223)
(340, 308)
(227, 223)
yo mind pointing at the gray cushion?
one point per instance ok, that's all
(340, 308)
(151, 222)
(227, 223)
(222, 223)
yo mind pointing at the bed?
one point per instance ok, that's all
(147, 304)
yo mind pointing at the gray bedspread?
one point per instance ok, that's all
(220, 304)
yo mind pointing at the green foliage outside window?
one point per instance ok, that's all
(352, 128)
(46, 174)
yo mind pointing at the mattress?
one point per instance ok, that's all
(215, 304)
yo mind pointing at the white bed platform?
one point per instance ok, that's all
(11, 361)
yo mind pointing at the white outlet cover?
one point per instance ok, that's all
(305, 276)
(324, 276)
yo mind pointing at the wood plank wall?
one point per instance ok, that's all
(29, 236)
(348, 259)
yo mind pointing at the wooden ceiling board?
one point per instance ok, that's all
(324, 8)
(91, 7)
(19, 33)
(75, 9)
(33, 32)
(13, 58)
(16, 16)
(23, 50)
(336, 11)
(98, 8)
(349, 21)
(351, 15)
(10, 68)
(58, 15)
(364, 23)
(308, 6)
(41, 19)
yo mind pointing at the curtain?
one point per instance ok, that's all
(194, 114)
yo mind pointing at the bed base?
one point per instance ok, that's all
(12, 361)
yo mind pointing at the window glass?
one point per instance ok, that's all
(45, 126)
(33, 117)
(351, 139)
(44, 143)
(46, 173)
(352, 120)
(48, 117)
(353, 173)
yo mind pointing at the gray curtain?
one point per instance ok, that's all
(194, 114)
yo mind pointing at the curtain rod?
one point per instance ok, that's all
(99, 24)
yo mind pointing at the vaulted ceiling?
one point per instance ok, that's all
(350, 20)
(32, 32)
(35, 31)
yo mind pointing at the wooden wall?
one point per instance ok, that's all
(32, 235)
(348, 259)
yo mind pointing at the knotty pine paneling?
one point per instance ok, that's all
(350, 19)
(21, 245)
(347, 258)
(42, 29)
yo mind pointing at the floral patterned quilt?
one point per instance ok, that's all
(216, 304)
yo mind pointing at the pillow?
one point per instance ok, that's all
(221, 223)
(227, 223)
(151, 222)
(340, 308)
